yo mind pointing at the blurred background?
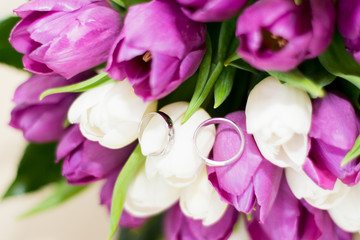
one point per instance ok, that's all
(80, 218)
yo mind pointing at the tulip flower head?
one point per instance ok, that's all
(249, 181)
(86, 161)
(279, 34)
(110, 114)
(43, 121)
(157, 49)
(279, 117)
(66, 37)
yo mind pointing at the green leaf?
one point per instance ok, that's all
(339, 62)
(223, 86)
(227, 33)
(313, 70)
(79, 87)
(241, 64)
(128, 3)
(37, 168)
(204, 70)
(353, 153)
(151, 230)
(133, 164)
(194, 105)
(297, 79)
(119, 2)
(62, 193)
(8, 55)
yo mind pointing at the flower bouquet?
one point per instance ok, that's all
(204, 119)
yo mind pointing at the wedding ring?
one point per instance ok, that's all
(210, 121)
(167, 123)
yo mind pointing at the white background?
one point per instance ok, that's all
(80, 218)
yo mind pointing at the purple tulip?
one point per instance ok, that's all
(65, 37)
(278, 34)
(178, 226)
(42, 121)
(157, 49)
(211, 10)
(251, 179)
(127, 220)
(86, 161)
(348, 20)
(333, 132)
(290, 218)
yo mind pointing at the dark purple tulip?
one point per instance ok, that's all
(211, 10)
(348, 20)
(278, 34)
(157, 49)
(251, 179)
(290, 218)
(178, 226)
(126, 220)
(65, 37)
(87, 161)
(42, 121)
(333, 132)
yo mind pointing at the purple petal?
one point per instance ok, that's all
(178, 226)
(334, 121)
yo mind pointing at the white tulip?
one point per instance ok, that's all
(279, 117)
(147, 197)
(110, 114)
(347, 213)
(200, 201)
(181, 164)
(304, 187)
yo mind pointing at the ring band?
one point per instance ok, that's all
(213, 163)
(168, 124)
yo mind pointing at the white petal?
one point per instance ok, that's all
(279, 117)
(110, 114)
(347, 214)
(296, 149)
(147, 197)
(303, 187)
(270, 100)
(86, 101)
(200, 201)
(181, 164)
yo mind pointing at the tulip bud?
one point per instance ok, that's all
(279, 117)
(250, 180)
(290, 218)
(211, 10)
(279, 34)
(158, 49)
(178, 226)
(42, 121)
(149, 196)
(66, 37)
(347, 213)
(303, 187)
(333, 133)
(181, 164)
(87, 161)
(200, 201)
(110, 114)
